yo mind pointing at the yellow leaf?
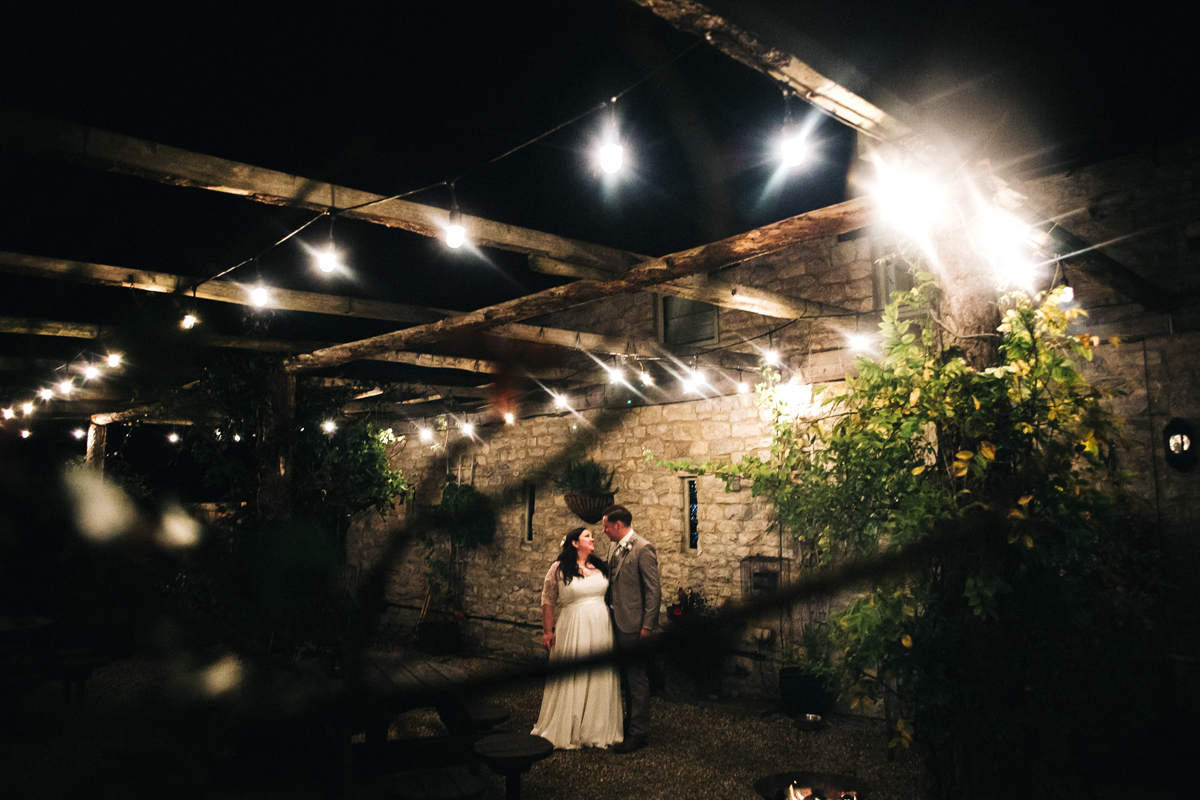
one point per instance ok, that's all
(914, 396)
(1114, 340)
(960, 468)
(906, 640)
(987, 450)
(1028, 540)
(1024, 501)
(976, 399)
(1016, 514)
(909, 611)
(1013, 536)
(918, 470)
(963, 455)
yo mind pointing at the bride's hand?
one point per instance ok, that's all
(548, 640)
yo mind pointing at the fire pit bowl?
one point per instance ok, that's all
(824, 786)
(810, 722)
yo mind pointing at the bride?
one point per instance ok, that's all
(583, 708)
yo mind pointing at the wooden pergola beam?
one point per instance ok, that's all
(830, 221)
(220, 291)
(707, 289)
(310, 302)
(29, 132)
(785, 68)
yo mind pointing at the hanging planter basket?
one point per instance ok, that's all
(589, 507)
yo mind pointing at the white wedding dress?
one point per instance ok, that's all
(582, 709)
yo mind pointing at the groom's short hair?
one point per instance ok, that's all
(619, 514)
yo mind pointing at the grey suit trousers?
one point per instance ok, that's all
(638, 685)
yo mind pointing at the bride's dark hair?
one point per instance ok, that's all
(568, 559)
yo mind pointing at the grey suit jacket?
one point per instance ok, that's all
(634, 591)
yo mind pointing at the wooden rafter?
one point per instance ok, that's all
(830, 221)
(310, 302)
(785, 68)
(34, 133)
(707, 289)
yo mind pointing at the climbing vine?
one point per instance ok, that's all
(1040, 600)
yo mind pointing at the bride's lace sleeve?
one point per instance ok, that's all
(550, 586)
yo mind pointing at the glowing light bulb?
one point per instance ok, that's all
(771, 357)
(646, 379)
(114, 360)
(45, 394)
(612, 156)
(9, 413)
(858, 342)
(560, 401)
(173, 437)
(24, 434)
(260, 296)
(78, 433)
(426, 435)
(65, 387)
(468, 429)
(743, 387)
(456, 234)
(237, 437)
(510, 418)
(328, 426)
(27, 408)
(793, 150)
(328, 260)
(188, 322)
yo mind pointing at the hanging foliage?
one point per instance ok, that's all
(1018, 646)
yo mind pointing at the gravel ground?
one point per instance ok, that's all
(130, 739)
(709, 751)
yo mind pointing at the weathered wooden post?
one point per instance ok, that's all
(275, 447)
(96, 442)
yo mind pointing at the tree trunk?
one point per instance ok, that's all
(969, 314)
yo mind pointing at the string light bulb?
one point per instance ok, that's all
(560, 401)
(188, 322)
(173, 437)
(426, 435)
(329, 426)
(509, 418)
(91, 372)
(793, 144)
(260, 296)
(114, 360)
(78, 433)
(46, 394)
(65, 387)
(25, 434)
(612, 154)
(456, 234)
(27, 408)
(9, 413)
(468, 429)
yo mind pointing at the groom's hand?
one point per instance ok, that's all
(646, 633)
(548, 640)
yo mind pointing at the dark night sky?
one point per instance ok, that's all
(392, 97)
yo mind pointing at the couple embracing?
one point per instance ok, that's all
(599, 604)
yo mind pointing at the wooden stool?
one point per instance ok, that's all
(510, 754)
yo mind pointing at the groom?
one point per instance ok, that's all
(634, 598)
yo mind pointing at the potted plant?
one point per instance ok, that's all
(700, 655)
(587, 489)
(805, 673)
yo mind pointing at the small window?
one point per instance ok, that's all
(691, 516)
(682, 321)
(530, 493)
